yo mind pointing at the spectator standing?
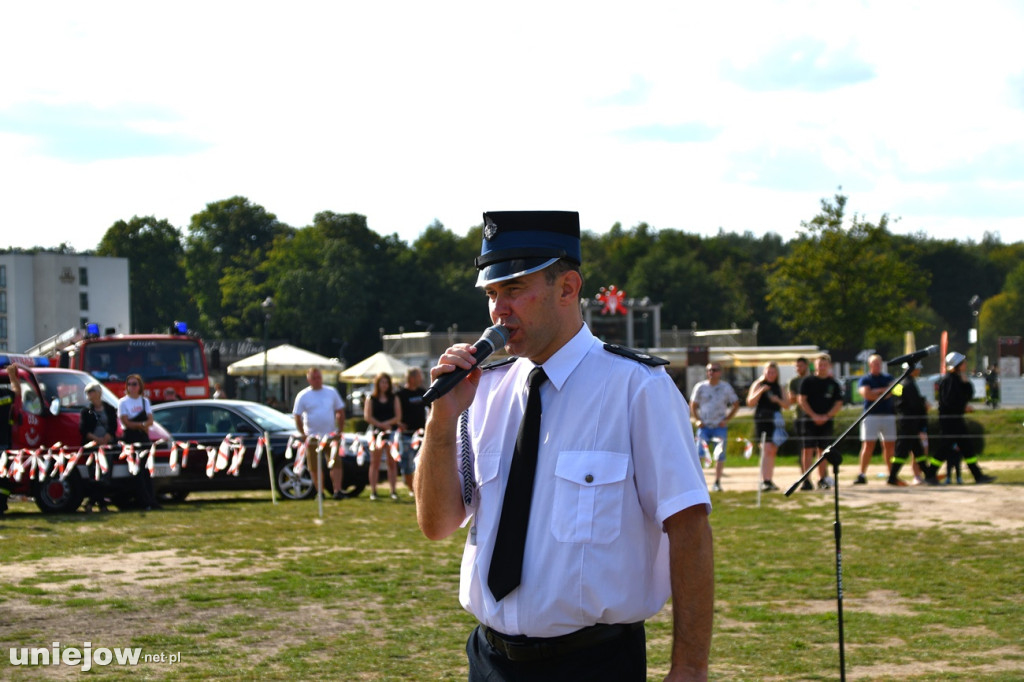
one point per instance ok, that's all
(97, 423)
(955, 394)
(821, 398)
(713, 403)
(792, 394)
(881, 423)
(586, 521)
(384, 413)
(765, 396)
(218, 392)
(136, 415)
(319, 411)
(414, 418)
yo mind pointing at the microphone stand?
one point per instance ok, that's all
(835, 459)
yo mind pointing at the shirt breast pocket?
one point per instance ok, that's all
(589, 489)
(488, 464)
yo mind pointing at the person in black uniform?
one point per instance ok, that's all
(10, 400)
(955, 393)
(911, 429)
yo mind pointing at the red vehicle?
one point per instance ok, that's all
(51, 401)
(175, 361)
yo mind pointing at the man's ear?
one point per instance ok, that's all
(571, 284)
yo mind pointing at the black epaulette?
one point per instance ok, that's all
(500, 363)
(633, 354)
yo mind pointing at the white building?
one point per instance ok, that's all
(44, 294)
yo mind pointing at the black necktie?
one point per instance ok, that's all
(507, 561)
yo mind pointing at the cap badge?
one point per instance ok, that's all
(490, 229)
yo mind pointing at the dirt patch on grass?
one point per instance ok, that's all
(967, 506)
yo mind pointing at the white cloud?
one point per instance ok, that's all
(740, 116)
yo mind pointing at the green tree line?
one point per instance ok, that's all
(844, 283)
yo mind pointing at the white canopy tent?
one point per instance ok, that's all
(284, 360)
(364, 371)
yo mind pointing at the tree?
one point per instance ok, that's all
(845, 289)
(444, 291)
(1003, 314)
(226, 244)
(156, 272)
(335, 284)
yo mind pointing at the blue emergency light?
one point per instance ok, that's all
(181, 327)
(92, 329)
(26, 360)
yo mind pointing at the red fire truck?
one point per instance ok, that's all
(166, 362)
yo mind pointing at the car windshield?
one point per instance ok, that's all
(153, 359)
(268, 418)
(69, 388)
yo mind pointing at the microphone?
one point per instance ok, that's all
(911, 358)
(493, 338)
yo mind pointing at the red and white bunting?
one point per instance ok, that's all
(128, 454)
(211, 461)
(72, 463)
(396, 447)
(102, 466)
(237, 455)
(17, 469)
(300, 459)
(705, 452)
(223, 452)
(261, 443)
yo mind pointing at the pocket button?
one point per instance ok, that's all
(589, 478)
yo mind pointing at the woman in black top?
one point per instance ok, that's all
(97, 424)
(383, 412)
(765, 396)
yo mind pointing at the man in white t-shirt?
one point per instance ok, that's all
(320, 411)
(712, 404)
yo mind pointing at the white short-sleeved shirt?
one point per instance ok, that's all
(713, 401)
(128, 406)
(317, 409)
(616, 459)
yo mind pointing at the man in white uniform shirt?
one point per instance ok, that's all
(618, 520)
(319, 411)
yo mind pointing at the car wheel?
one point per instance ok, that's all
(294, 486)
(56, 496)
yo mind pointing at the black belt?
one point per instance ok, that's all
(521, 648)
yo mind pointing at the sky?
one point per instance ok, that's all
(696, 116)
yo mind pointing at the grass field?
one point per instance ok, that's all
(238, 588)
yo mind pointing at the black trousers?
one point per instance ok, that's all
(621, 660)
